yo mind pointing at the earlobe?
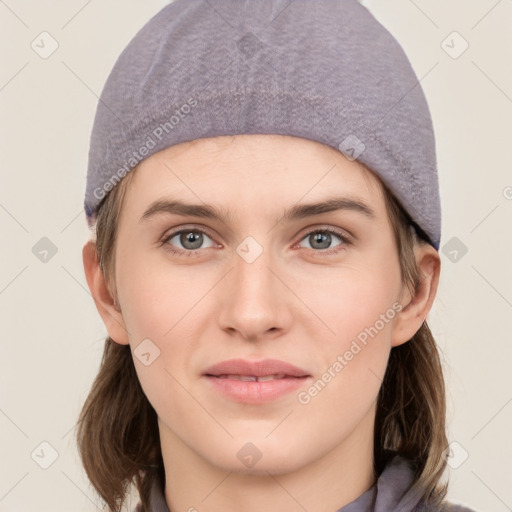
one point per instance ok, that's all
(416, 308)
(107, 308)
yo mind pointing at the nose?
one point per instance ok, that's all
(255, 302)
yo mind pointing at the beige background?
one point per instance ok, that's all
(52, 336)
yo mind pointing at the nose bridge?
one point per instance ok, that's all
(255, 301)
(253, 279)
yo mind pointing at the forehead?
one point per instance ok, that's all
(251, 171)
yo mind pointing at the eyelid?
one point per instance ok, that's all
(185, 227)
(342, 233)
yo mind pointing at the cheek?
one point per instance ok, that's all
(353, 300)
(154, 300)
(359, 309)
(165, 308)
(353, 362)
(157, 306)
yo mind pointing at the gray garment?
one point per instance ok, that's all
(383, 496)
(322, 70)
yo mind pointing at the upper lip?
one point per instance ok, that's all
(261, 368)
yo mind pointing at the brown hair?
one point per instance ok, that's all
(118, 437)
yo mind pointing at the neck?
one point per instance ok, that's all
(325, 484)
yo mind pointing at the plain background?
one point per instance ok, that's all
(52, 335)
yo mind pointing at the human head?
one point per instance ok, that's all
(281, 101)
(325, 71)
(386, 263)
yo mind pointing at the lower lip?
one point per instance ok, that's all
(253, 392)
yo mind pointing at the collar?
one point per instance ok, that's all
(385, 495)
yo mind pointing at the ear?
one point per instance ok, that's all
(109, 311)
(416, 307)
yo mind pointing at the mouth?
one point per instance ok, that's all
(254, 370)
(255, 382)
(255, 378)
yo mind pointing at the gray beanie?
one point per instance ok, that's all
(324, 70)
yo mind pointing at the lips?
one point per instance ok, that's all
(256, 382)
(252, 378)
(256, 371)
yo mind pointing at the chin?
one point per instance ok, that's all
(259, 457)
(273, 465)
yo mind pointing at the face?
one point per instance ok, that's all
(213, 293)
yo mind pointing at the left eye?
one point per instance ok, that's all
(322, 238)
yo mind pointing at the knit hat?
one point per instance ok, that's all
(324, 70)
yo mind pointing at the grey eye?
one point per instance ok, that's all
(190, 239)
(321, 239)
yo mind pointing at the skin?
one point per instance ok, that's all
(298, 302)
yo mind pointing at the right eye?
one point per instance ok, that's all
(191, 240)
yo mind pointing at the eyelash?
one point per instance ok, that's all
(178, 252)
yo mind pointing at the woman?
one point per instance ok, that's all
(263, 194)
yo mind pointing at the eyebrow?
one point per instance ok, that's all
(296, 212)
